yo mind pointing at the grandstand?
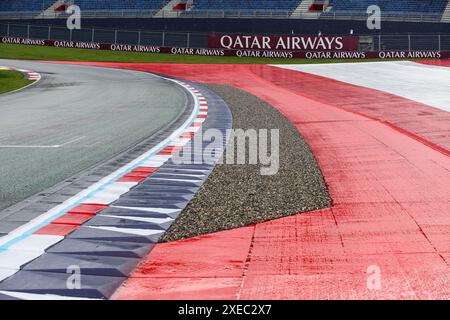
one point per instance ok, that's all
(40, 5)
(235, 7)
(24, 5)
(275, 5)
(120, 4)
(419, 6)
(255, 16)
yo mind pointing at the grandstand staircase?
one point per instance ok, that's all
(167, 11)
(51, 12)
(446, 14)
(303, 10)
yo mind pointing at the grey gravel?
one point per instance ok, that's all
(238, 195)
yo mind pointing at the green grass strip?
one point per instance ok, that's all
(12, 80)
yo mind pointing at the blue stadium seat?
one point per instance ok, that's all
(40, 5)
(282, 5)
(337, 6)
(24, 5)
(418, 6)
(121, 4)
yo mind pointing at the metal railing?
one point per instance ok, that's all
(381, 42)
(254, 14)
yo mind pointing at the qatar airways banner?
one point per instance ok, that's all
(283, 43)
(219, 52)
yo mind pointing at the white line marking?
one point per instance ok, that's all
(180, 180)
(150, 209)
(44, 147)
(36, 296)
(6, 273)
(15, 259)
(141, 219)
(69, 142)
(137, 232)
(36, 243)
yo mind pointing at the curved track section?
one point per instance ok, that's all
(104, 231)
(73, 119)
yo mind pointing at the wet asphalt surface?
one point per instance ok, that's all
(73, 119)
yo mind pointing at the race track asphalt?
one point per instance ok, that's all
(74, 118)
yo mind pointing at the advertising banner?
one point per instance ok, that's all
(242, 53)
(283, 43)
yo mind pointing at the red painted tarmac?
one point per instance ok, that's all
(386, 162)
(440, 63)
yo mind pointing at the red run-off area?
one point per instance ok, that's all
(386, 162)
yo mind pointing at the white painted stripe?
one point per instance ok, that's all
(180, 142)
(15, 259)
(111, 193)
(172, 174)
(142, 219)
(6, 273)
(26, 250)
(187, 170)
(105, 200)
(181, 180)
(193, 129)
(36, 243)
(149, 209)
(161, 157)
(137, 232)
(36, 296)
(153, 163)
